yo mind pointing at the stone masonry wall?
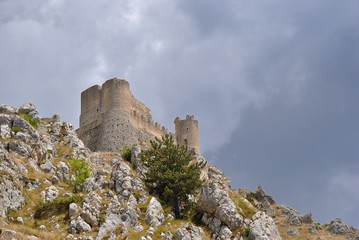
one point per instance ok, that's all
(112, 118)
(187, 133)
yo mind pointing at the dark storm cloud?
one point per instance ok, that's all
(272, 83)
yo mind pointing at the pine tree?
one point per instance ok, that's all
(172, 174)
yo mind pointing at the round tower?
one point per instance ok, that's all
(117, 129)
(116, 94)
(187, 133)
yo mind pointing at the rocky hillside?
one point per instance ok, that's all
(53, 187)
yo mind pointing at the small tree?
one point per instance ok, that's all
(81, 171)
(172, 174)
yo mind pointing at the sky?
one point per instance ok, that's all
(274, 84)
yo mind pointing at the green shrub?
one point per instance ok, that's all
(32, 121)
(56, 207)
(172, 174)
(126, 153)
(80, 170)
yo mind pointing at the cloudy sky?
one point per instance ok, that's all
(274, 84)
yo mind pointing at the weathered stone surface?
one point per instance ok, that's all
(73, 209)
(7, 109)
(117, 215)
(47, 167)
(214, 200)
(154, 214)
(338, 227)
(20, 148)
(189, 232)
(96, 181)
(263, 197)
(20, 124)
(224, 233)
(263, 228)
(91, 209)
(10, 196)
(50, 194)
(63, 171)
(294, 217)
(123, 180)
(29, 108)
(5, 131)
(82, 226)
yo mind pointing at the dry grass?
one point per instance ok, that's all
(23, 232)
(304, 234)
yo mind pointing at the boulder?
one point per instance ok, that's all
(91, 209)
(63, 171)
(73, 209)
(263, 228)
(154, 213)
(7, 109)
(215, 201)
(10, 196)
(123, 180)
(189, 232)
(336, 226)
(50, 194)
(29, 108)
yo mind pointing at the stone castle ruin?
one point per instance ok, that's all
(112, 118)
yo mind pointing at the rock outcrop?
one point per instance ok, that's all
(37, 192)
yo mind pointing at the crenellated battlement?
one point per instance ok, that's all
(111, 118)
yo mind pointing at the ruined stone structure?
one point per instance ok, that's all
(111, 118)
(187, 133)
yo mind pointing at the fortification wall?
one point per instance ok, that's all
(112, 118)
(90, 105)
(187, 133)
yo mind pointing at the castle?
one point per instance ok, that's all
(112, 118)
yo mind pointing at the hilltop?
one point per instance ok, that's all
(53, 187)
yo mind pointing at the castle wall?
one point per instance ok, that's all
(90, 105)
(187, 133)
(112, 118)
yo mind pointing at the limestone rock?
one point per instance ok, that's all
(79, 226)
(96, 181)
(91, 209)
(123, 180)
(63, 171)
(73, 209)
(214, 200)
(115, 216)
(7, 109)
(263, 197)
(5, 131)
(10, 196)
(154, 214)
(294, 217)
(224, 233)
(29, 108)
(189, 232)
(263, 228)
(20, 148)
(22, 125)
(338, 227)
(50, 194)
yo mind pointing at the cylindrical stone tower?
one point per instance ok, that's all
(187, 133)
(117, 130)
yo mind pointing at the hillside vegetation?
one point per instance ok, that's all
(53, 187)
